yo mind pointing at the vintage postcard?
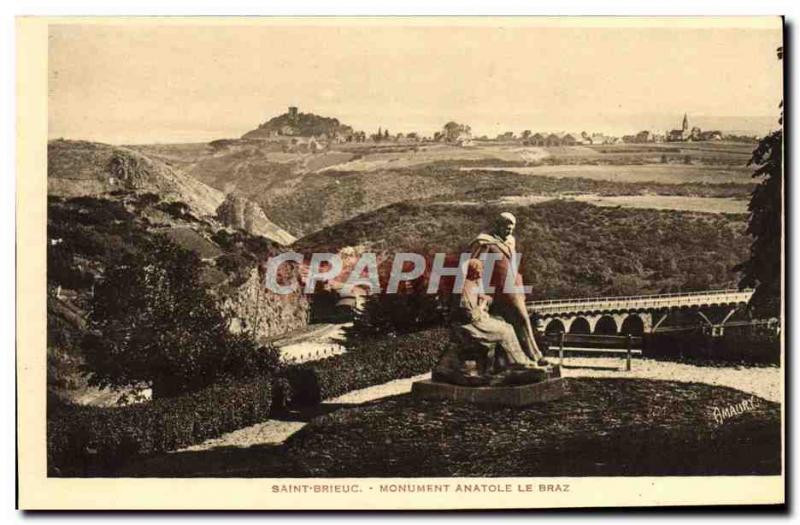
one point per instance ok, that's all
(400, 263)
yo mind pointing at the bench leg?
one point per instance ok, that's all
(628, 354)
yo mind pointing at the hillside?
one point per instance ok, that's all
(108, 204)
(324, 199)
(244, 214)
(304, 192)
(80, 169)
(570, 249)
(297, 124)
(88, 169)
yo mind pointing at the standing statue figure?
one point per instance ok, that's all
(508, 304)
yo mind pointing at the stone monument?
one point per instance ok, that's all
(494, 358)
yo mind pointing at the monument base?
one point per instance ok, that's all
(509, 396)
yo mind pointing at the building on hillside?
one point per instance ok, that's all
(680, 135)
(711, 135)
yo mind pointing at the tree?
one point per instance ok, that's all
(453, 131)
(152, 323)
(762, 270)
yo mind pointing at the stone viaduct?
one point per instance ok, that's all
(636, 314)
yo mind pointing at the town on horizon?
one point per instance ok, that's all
(319, 132)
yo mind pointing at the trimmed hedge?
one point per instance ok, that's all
(94, 441)
(368, 362)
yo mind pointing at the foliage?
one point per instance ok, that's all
(87, 229)
(756, 346)
(176, 209)
(369, 361)
(762, 270)
(92, 441)
(569, 249)
(152, 322)
(305, 125)
(399, 313)
(453, 131)
(410, 309)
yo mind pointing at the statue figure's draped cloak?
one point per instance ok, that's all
(508, 304)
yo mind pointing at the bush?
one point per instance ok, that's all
(93, 441)
(152, 322)
(367, 362)
(398, 314)
(752, 347)
(233, 263)
(176, 209)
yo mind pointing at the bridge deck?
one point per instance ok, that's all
(639, 302)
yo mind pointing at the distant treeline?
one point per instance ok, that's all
(570, 249)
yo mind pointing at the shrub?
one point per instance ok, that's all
(176, 209)
(152, 322)
(755, 346)
(94, 441)
(399, 313)
(370, 361)
(233, 263)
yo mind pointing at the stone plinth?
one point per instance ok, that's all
(510, 396)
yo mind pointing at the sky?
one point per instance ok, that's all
(145, 83)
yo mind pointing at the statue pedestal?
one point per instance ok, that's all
(510, 396)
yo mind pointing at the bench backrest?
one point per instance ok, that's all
(592, 340)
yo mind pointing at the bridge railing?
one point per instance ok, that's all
(637, 298)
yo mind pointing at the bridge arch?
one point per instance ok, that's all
(632, 325)
(580, 325)
(606, 325)
(555, 326)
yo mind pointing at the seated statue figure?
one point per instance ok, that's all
(486, 349)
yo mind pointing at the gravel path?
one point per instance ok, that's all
(318, 343)
(763, 382)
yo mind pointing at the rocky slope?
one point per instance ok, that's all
(81, 169)
(106, 202)
(239, 212)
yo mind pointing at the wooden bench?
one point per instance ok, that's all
(600, 344)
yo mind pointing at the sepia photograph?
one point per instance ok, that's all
(406, 263)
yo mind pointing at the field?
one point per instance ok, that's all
(661, 173)
(654, 202)
(304, 192)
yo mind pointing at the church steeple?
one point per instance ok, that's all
(685, 126)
